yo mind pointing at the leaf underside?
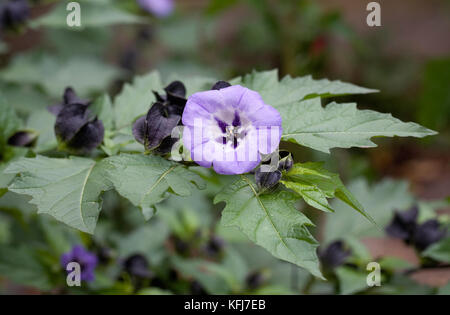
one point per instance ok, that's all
(315, 185)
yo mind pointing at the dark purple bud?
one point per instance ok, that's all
(403, 224)
(334, 255)
(267, 180)
(140, 129)
(13, 13)
(161, 120)
(176, 88)
(214, 246)
(286, 161)
(176, 97)
(156, 126)
(22, 139)
(428, 233)
(159, 98)
(70, 120)
(137, 265)
(76, 126)
(220, 85)
(154, 130)
(69, 97)
(254, 280)
(104, 255)
(88, 138)
(166, 146)
(181, 247)
(86, 259)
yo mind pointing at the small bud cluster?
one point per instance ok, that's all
(269, 180)
(406, 227)
(77, 129)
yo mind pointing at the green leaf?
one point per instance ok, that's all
(99, 13)
(153, 291)
(147, 240)
(67, 189)
(211, 276)
(21, 266)
(350, 280)
(85, 74)
(288, 90)
(394, 264)
(315, 185)
(102, 107)
(136, 99)
(43, 123)
(341, 125)
(217, 6)
(5, 230)
(439, 251)
(379, 202)
(24, 99)
(146, 179)
(9, 122)
(271, 221)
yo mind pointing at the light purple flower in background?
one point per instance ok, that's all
(86, 259)
(228, 128)
(160, 8)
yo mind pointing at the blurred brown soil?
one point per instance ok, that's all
(383, 247)
(426, 169)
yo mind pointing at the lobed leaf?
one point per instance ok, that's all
(67, 189)
(146, 179)
(341, 125)
(52, 73)
(288, 90)
(271, 221)
(136, 99)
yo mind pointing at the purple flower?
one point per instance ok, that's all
(229, 127)
(87, 261)
(160, 8)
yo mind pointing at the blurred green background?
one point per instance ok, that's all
(186, 251)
